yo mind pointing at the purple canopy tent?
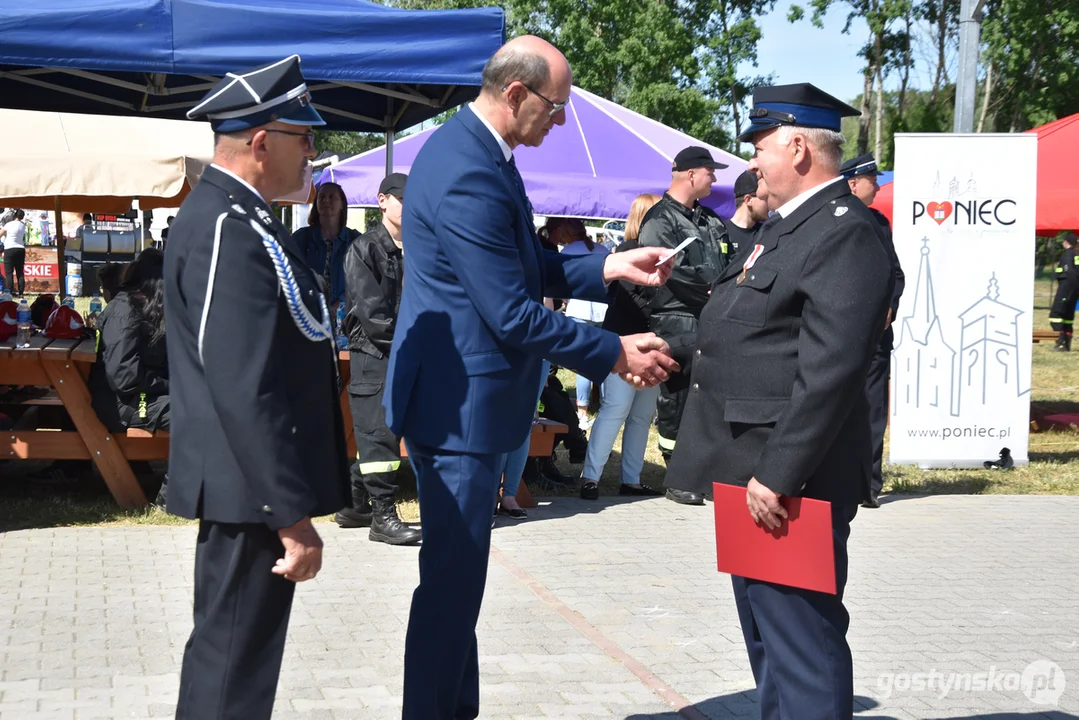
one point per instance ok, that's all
(591, 167)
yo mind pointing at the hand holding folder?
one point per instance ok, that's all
(799, 553)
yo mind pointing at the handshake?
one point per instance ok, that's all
(645, 360)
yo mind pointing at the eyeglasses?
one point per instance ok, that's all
(556, 107)
(309, 135)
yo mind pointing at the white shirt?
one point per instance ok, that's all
(15, 232)
(791, 205)
(506, 151)
(240, 180)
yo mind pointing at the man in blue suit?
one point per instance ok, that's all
(471, 336)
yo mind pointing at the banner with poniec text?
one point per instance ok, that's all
(963, 224)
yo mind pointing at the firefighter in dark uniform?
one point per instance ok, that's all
(861, 173)
(373, 275)
(1062, 314)
(257, 443)
(777, 401)
(674, 308)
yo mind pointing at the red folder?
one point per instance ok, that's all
(799, 553)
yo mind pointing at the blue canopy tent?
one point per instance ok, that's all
(370, 68)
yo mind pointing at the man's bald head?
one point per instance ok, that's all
(529, 59)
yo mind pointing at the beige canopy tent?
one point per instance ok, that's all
(95, 163)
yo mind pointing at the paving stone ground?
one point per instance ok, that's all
(962, 607)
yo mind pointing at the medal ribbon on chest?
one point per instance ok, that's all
(750, 261)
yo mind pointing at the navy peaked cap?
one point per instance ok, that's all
(274, 92)
(861, 165)
(801, 104)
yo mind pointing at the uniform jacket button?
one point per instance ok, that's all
(293, 429)
(267, 509)
(696, 386)
(310, 293)
(698, 353)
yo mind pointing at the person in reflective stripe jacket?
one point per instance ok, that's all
(1062, 314)
(373, 267)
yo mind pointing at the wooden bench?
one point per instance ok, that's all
(63, 366)
(1046, 336)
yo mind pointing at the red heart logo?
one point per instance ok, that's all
(939, 211)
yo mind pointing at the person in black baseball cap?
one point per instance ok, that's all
(374, 269)
(695, 156)
(862, 174)
(751, 210)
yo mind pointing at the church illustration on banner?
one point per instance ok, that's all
(929, 373)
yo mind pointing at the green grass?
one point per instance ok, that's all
(1053, 468)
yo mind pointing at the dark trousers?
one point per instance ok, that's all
(669, 409)
(876, 390)
(457, 500)
(1062, 314)
(378, 450)
(14, 260)
(233, 657)
(796, 640)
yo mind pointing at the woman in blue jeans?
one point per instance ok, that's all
(621, 403)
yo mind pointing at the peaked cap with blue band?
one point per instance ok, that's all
(274, 92)
(861, 165)
(801, 104)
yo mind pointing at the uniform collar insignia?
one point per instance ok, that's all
(239, 208)
(264, 216)
(841, 210)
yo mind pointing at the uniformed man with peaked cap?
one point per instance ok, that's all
(861, 174)
(778, 387)
(257, 444)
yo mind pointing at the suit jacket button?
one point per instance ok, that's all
(267, 509)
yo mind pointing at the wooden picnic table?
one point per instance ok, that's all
(63, 366)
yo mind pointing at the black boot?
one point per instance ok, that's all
(1068, 342)
(359, 515)
(162, 498)
(550, 471)
(387, 527)
(533, 478)
(1061, 340)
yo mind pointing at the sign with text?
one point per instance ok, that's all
(41, 270)
(963, 223)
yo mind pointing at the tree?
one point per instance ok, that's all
(346, 143)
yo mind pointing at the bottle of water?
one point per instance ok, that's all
(342, 339)
(22, 337)
(69, 301)
(95, 311)
(5, 296)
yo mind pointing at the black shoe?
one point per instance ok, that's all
(639, 490)
(352, 518)
(533, 478)
(871, 502)
(590, 491)
(549, 470)
(386, 526)
(359, 515)
(685, 497)
(515, 513)
(162, 499)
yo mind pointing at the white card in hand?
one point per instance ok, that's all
(681, 246)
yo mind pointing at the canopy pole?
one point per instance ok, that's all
(61, 246)
(389, 136)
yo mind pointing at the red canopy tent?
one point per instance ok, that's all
(1058, 182)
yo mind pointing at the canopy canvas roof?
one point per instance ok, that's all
(369, 67)
(591, 167)
(99, 164)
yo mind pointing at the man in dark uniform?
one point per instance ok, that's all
(675, 307)
(777, 401)
(373, 275)
(861, 174)
(751, 210)
(257, 445)
(1062, 314)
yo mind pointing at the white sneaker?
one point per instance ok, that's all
(585, 422)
